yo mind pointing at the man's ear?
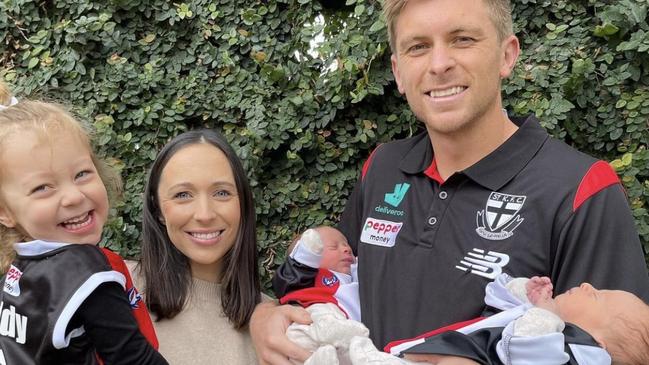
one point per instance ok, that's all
(511, 50)
(6, 218)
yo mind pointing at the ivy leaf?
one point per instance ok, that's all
(627, 158)
(32, 62)
(378, 25)
(605, 30)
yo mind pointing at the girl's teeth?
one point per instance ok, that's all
(76, 223)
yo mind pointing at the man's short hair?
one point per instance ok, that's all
(500, 11)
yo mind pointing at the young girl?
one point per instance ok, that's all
(63, 299)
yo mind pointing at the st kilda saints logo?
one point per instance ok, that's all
(500, 217)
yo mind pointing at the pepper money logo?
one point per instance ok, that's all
(394, 199)
(379, 232)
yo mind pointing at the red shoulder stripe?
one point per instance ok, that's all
(599, 176)
(368, 162)
(137, 304)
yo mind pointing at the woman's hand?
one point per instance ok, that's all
(268, 331)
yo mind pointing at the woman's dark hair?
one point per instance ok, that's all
(166, 270)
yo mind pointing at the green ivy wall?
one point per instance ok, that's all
(303, 114)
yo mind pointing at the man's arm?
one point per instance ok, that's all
(268, 331)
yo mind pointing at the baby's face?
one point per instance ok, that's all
(593, 309)
(336, 253)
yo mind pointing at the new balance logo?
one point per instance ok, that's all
(487, 265)
(395, 198)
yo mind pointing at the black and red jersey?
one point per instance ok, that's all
(69, 304)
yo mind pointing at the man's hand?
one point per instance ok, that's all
(268, 331)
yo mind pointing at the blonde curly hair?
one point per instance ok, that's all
(46, 119)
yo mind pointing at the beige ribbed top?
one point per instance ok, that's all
(201, 334)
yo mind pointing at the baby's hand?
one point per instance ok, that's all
(539, 290)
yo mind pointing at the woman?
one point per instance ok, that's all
(199, 254)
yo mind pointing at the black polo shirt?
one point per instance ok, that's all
(534, 206)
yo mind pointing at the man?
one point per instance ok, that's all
(437, 216)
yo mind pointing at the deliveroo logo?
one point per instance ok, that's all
(395, 198)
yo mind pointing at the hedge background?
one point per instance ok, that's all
(304, 115)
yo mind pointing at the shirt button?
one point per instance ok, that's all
(432, 221)
(443, 195)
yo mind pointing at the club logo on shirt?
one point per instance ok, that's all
(134, 298)
(488, 265)
(500, 217)
(329, 281)
(379, 232)
(12, 281)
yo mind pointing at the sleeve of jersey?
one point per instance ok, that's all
(60, 337)
(135, 299)
(545, 349)
(599, 243)
(500, 295)
(291, 276)
(109, 323)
